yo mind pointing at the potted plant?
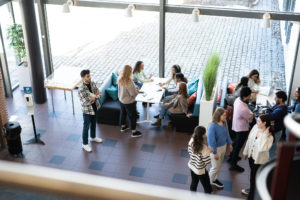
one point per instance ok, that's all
(17, 43)
(209, 96)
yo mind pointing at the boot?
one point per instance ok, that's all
(157, 123)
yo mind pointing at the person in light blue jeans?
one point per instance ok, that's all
(279, 111)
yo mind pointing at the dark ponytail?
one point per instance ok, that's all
(181, 77)
(266, 118)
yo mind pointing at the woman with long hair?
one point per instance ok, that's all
(179, 78)
(243, 83)
(257, 149)
(253, 80)
(127, 91)
(218, 139)
(139, 76)
(178, 105)
(174, 70)
(199, 159)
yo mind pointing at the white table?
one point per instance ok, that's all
(152, 93)
(64, 78)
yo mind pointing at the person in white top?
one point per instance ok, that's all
(253, 80)
(175, 69)
(199, 159)
(257, 149)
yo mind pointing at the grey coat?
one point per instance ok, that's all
(180, 105)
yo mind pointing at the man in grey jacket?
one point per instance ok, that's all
(89, 95)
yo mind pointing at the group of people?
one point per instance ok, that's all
(129, 82)
(260, 133)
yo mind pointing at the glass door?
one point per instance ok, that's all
(6, 20)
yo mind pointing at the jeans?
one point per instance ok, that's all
(88, 121)
(240, 139)
(164, 111)
(273, 150)
(167, 93)
(139, 84)
(253, 168)
(204, 179)
(130, 111)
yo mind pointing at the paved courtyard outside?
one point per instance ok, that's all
(103, 40)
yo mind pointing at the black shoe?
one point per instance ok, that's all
(144, 104)
(229, 159)
(156, 116)
(124, 128)
(136, 134)
(236, 168)
(218, 184)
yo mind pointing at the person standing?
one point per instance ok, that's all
(253, 80)
(218, 139)
(127, 92)
(257, 149)
(199, 160)
(277, 114)
(139, 76)
(240, 125)
(89, 95)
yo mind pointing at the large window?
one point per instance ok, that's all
(103, 40)
(6, 20)
(242, 44)
(268, 5)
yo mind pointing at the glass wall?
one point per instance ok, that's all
(6, 20)
(103, 40)
(242, 44)
(268, 5)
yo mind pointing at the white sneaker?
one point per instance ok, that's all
(96, 139)
(86, 147)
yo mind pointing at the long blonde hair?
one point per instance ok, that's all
(126, 76)
(217, 114)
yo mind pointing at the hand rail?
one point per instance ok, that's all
(88, 186)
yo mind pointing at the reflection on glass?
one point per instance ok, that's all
(242, 44)
(103, 40)
(6, 20)
(270, 5)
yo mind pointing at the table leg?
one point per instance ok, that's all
(52, 100)
(148, 117)
(72, 101)
(65, 94)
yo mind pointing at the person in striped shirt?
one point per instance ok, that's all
(199, 159)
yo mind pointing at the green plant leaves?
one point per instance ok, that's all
(16, 40)
(210, 75)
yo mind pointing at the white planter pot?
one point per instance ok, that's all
(207, 108)
(24, 77)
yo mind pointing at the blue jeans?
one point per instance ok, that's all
(273, 150)
(88, 121)
(139, 84)
(164, 111)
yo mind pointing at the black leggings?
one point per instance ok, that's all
(253, 168)
(204, 178)
(130, 111)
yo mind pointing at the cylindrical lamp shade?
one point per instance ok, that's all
(66, 8)
(266, 21)
(128, 12)
(195, 15)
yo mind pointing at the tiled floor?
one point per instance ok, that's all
(159, 157)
